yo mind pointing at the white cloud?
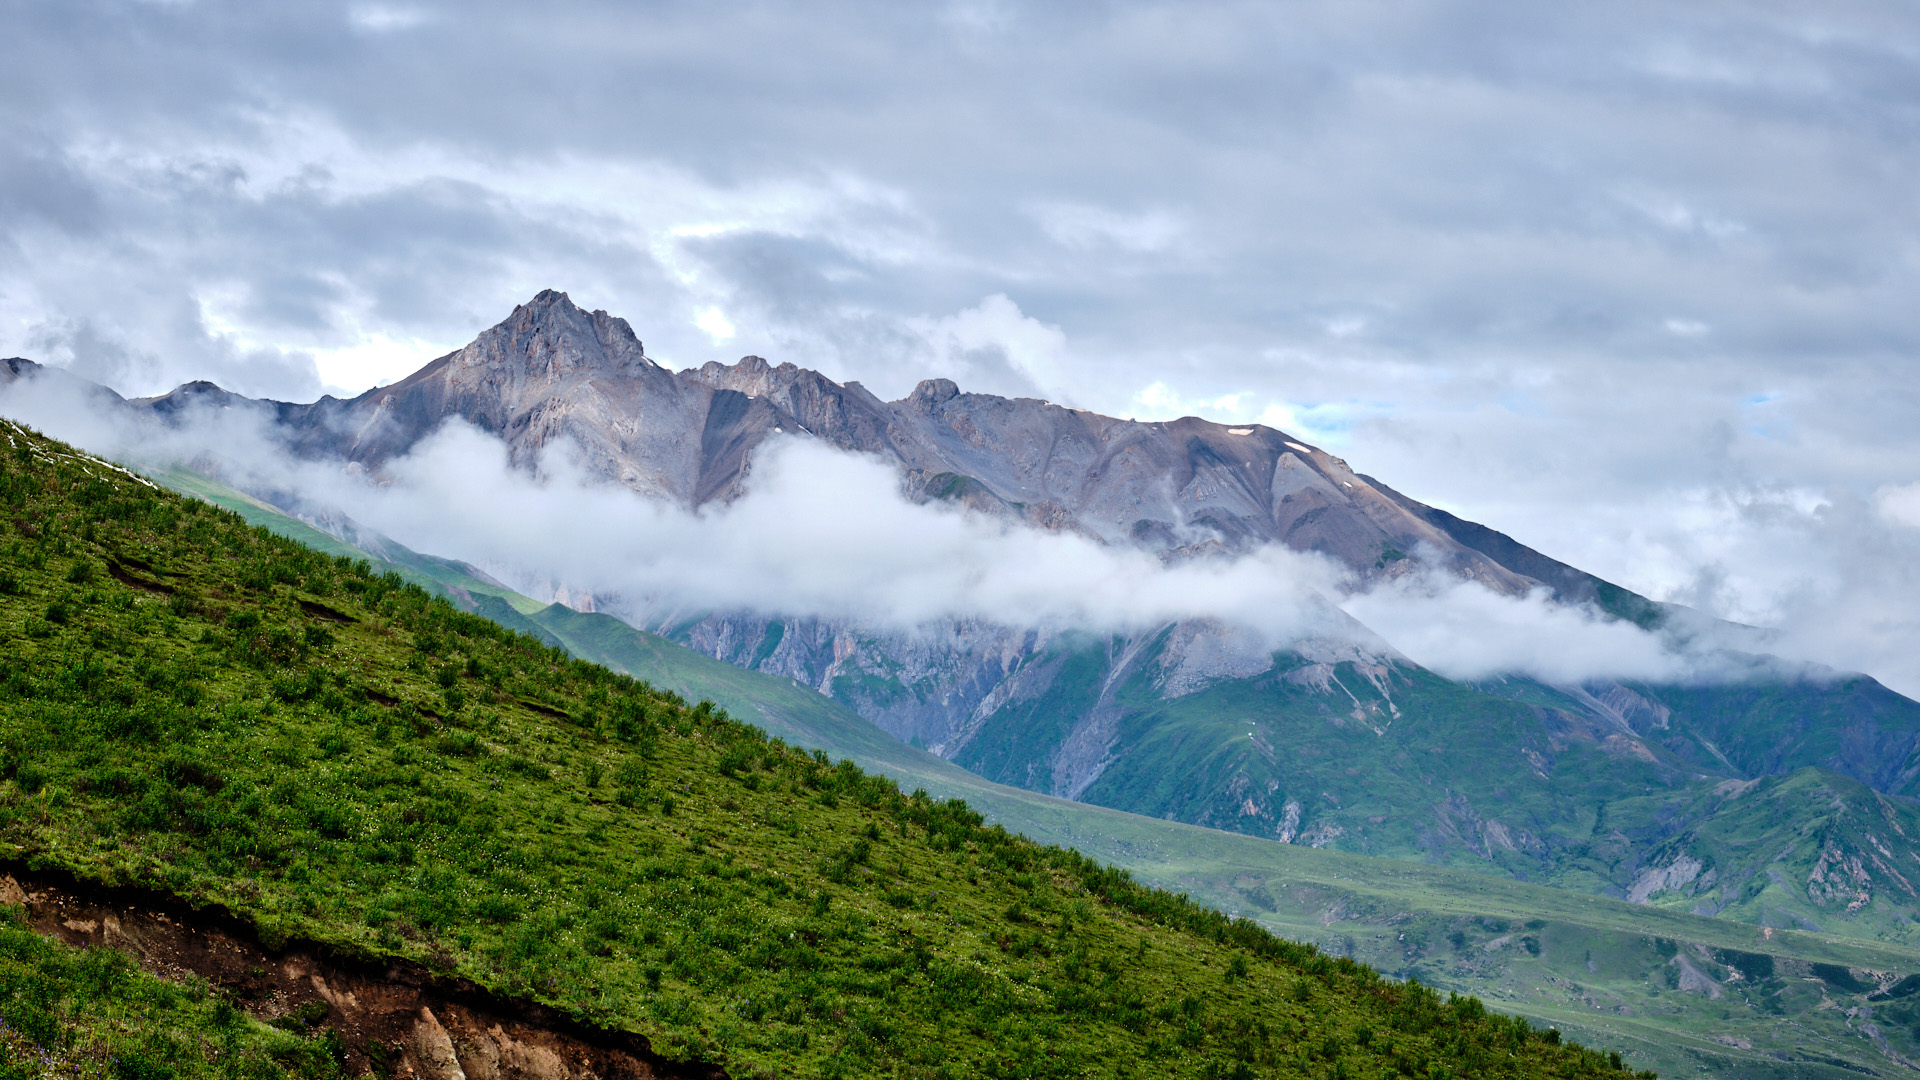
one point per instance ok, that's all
(1900, 503)
(714, 322)
(821, 532)
(385, 18)
(374, 360)
(612, 229)
(1463, 630)
(1321, 424)
(1084, 227)
(994, 337)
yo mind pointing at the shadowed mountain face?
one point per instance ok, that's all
(1338, 743)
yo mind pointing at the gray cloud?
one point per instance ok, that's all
(1614, 279)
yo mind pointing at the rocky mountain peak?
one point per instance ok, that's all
(931, 392)
(552, 336)
(551, 370)
(750, 375)
(197, 394)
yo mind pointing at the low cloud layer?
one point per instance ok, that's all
(1465, 631)
(821, 532)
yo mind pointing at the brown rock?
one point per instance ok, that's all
(433, 1049)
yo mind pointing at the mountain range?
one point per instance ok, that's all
(1713, 797)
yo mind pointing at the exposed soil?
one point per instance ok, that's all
(321, 611)
(119, 571)
(402, 1018)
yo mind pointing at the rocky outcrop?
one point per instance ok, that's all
(941, 685)
(399, 1017)
(1683, 871)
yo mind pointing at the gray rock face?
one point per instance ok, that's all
(949, 685)
(551, 371)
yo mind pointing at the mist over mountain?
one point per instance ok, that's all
(551, 373)
(570, 392)
(1220, 624)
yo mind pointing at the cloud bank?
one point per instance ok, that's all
(824, 533)
(819, 532)
(1464, 630)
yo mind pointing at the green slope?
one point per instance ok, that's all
(1578, 787)
(1518, 779)
(1444, 926)
(443, 576)
(1848, 724)
(93, 1015)
(331, 755)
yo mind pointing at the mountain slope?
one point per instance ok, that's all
(1510, 775)
(1590, 806)
(1507, 775)
(1444, 927)
(551, 371)
(1574, 786)
(334, 757)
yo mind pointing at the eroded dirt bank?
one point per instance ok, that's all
(402, 1020)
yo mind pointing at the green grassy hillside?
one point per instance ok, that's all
(337, 756)
(73, 1013)
(1585, 787)
(1443, 926)
(1524, 782)
(1848, 724)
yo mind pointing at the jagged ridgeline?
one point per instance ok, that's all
(309, 757)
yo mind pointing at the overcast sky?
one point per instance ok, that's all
(1636, 283)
